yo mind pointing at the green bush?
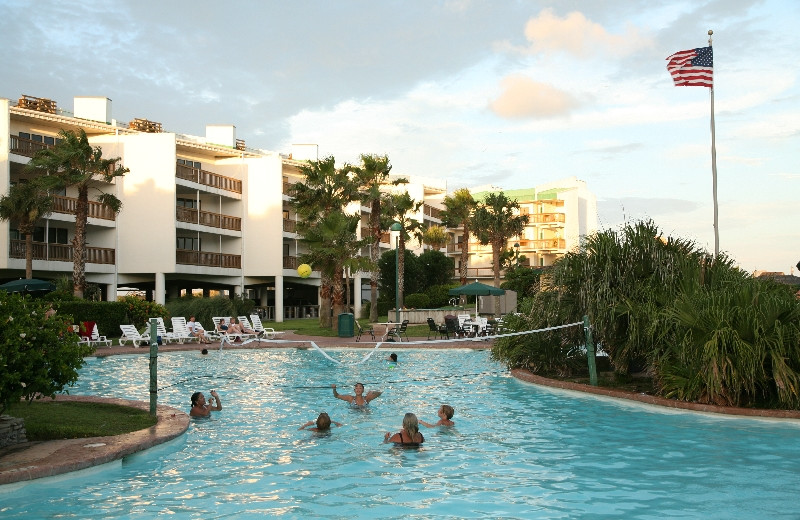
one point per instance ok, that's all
(139, 311)
(417, 301)
(108, 315)
(39, 356)
(438, 295)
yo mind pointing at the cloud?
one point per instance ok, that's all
(577, 35)
(524, 98)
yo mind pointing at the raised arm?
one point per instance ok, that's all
(218, 406)
(372, 394)
(429, 425)
(337, 395)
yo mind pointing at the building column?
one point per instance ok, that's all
(159, 293)
(357, 295)
(279, 298)
(111, 292)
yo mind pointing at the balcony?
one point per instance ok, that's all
(290, 262)
(26, 147)
(207, 259)
(47, 106)
(206, 218)
(546, 218)
(207, 178)
(289, 226)
(67, 205)
(430, 211)
(61, 252)
(544, 244)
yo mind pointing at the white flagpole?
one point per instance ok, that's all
(714, 165)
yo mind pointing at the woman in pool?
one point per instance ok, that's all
(323, 423)
(409, 435)
(445, 413)
(359, 399)
(199, 406)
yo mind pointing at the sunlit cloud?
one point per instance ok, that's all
(525, 98)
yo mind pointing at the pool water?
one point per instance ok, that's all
(517, 450)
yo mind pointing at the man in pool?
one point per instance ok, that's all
(359, 399)
(202, 409)
(323, 423)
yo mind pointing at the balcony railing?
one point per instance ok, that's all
(207, 178)
(61, 252)
(286, 186)
(547, 243)
(430, 211)
(290, 262)
(290, 226)
(26, 147)
(478, 272)
(546, 218)
(206, 218)
(39, 104)
(67, 205)
(207, 259)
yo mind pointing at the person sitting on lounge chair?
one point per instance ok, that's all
(196, 330)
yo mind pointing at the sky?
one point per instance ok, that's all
(473, 92)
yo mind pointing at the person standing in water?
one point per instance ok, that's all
(359, 399)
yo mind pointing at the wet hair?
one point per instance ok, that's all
(393, 357)
(195, 397)
(204, 351)
(362, 385)
(448, 411)
(411, 425)
(323, 421)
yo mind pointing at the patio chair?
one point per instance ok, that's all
(132, 336)
(181, 332)
(439, 331)
(360, 330)
(399, 331)
(452, 326)
(166, 337)
(267, 332)
(95, 338)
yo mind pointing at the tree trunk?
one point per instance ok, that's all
(462, 269)
(79, 242)
(325, 302)
(338, 295)
(496, 247)
(28, 255)
(375, 233)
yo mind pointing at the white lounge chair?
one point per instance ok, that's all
(218, 319)
(267, 332)
(166, 337)
(181, 332)
(132, 336)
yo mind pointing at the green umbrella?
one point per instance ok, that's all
(27, 286)
(477, 289)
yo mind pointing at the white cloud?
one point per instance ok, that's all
(524, 98)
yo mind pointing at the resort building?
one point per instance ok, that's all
(200, 215)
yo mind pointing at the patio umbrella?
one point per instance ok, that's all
(28, 286)
(477, 289)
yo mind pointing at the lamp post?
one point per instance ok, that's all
(399, 228)
(516, 253)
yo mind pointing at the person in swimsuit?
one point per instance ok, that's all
(359, 399)
(199, 406)
(445, 413)
(409, 435)
(323, 423)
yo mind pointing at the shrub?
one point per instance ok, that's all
(139, 311)
(108, 315)
(418, 301)
(438, 295)
(39, 356)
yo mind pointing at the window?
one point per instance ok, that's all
(46, 139)
(187, 203)
(189, 163)
(54, 235)
(285, 250)
(192, 244)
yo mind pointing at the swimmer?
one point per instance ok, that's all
(323, 423)
(359, 399)
(445, 413)
(199, 406)
(392, 357)
(410, 433)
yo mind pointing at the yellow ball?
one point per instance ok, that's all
(304, 270)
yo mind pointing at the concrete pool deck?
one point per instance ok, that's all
(32, 460)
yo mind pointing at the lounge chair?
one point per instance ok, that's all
(132, 336)
(370, 331)
(95, 338)
(232, 337)
(181, 332)
(267, 332)
(166, 337)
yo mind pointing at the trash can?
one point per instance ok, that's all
(346, 325)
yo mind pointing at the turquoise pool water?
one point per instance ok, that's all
(517, 450)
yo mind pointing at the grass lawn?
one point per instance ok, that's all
(310, 327)
(49, 420)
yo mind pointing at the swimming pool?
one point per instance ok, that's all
(517, 450)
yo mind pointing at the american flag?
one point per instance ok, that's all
(692, 68)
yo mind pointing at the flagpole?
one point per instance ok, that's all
(714, 166)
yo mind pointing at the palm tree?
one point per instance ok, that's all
(494, 222)
(436, 237)
(73, 162)
(323, 192)
(458, 213)
(371, 175)
(401, 205)
(25, 203)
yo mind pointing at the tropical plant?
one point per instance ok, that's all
(73, 162)
(458, 213)
(25, 203)
(436, 237)
(39, 356)
(494, 222)
(139, 311)
(400, 210)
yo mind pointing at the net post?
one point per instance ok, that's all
(590, 351)
(153, 366)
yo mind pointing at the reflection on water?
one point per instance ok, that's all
(516, 450)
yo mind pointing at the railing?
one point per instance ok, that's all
(300, 311)
(547, 243)
(207, 259)
(62, 204)
(143, 125)
(546, 218)
(61, 252)
(478, 272)
(455, 248)
(286, 186)
(430, 211)
(38, 104)
(290, 262)
(290, 226)
(208, 178)
(240, 145)
(206, 218)
(26, 147)
(386, 238)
